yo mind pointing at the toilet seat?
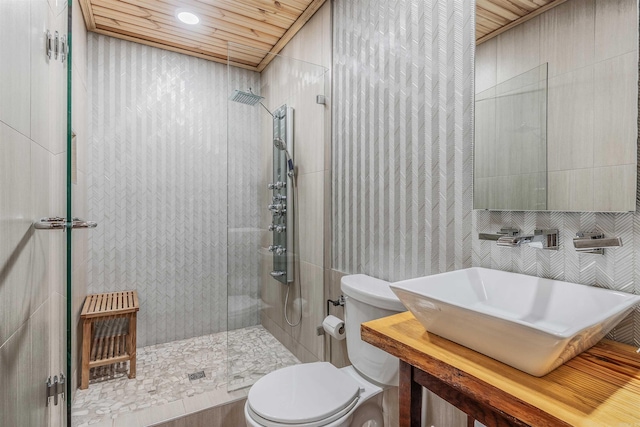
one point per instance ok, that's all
(306, 395)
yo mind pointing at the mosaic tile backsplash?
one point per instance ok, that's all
(158, 187)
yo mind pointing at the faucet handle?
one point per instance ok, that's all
(547, 237)
(594, 243)
(509, 231)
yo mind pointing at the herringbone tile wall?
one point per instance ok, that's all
(157, 186)
(402, 151)
(402, 159)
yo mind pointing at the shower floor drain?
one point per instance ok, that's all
(196, 375)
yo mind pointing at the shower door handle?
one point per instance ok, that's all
(59, 223)
(81, 223)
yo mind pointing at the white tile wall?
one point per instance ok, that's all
(402, 137)
(163, 186)
(32, 95)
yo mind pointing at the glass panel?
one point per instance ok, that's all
(271, 116)
(510, 163)
(71, 180)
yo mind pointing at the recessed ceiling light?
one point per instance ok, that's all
(187, 17)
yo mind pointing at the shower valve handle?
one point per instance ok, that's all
(276, 207)
(279, 250)
(277, 185)
(277, 228)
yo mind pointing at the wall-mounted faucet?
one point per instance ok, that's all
(541, 239)
(594, 243)
(502, 233)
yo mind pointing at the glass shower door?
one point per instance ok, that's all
(275, 123)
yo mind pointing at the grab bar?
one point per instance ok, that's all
(59, 223)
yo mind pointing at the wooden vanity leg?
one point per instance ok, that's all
(410, 397)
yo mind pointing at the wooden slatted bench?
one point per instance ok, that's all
(109, 331)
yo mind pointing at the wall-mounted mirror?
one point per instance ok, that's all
(556, 112)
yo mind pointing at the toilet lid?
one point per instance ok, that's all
(303, 393)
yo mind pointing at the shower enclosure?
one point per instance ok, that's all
(178, 181)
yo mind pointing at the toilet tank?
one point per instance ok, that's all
(368, 298)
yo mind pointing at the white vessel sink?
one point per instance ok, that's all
(530, 323)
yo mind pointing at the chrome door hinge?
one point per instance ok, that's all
(49, 44)
(54, 388)
(56, 45)
(64, 48)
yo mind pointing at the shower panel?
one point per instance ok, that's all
(282, 206)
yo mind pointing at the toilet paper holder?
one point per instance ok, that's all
(335, 303)
(339, 301)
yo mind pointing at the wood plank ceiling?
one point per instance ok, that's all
(497, 16)
(262, 27)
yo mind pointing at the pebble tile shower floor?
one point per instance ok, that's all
(163, 370)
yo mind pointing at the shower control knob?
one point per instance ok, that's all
(280, 228)
(277, 207)
(279, 198)
(272, 227)
(277, 185)
(280, 250)
(272, 248)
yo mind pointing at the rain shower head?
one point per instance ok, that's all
(248, 98)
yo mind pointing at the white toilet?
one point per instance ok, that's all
(319, 394)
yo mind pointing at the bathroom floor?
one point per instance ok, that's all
(163, 373)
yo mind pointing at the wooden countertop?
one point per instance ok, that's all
(600, 387)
